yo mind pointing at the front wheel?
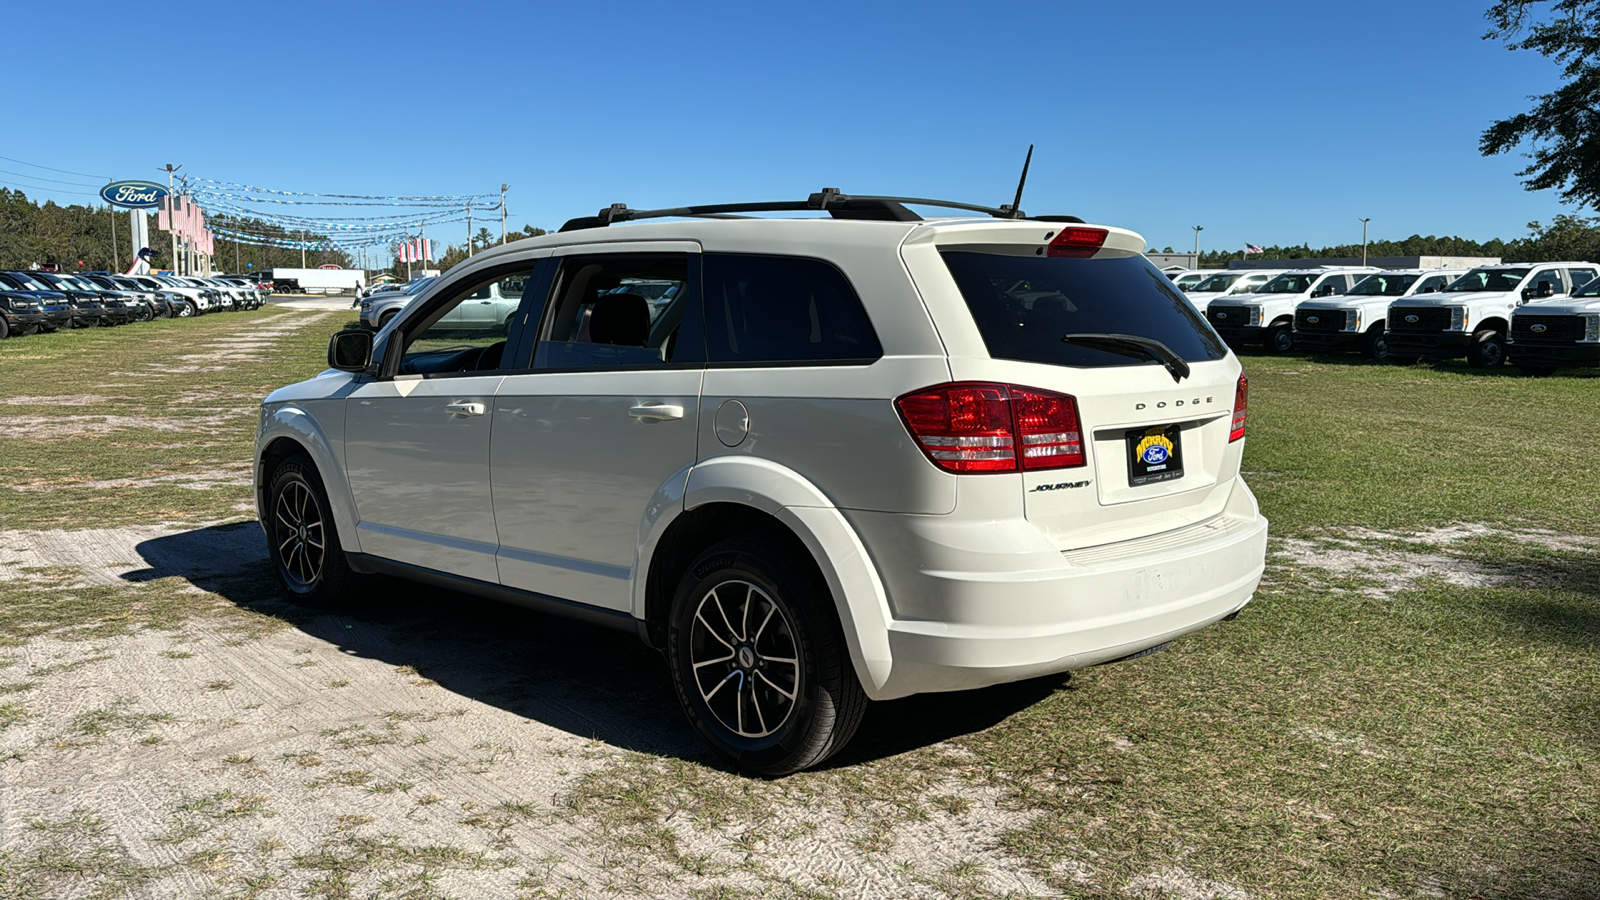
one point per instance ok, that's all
(188, 310)
(1488, 350)
(302, 538)
(1376, 346)
(1280, 339)
(758, 659)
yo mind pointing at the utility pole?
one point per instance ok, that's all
(1364, 239)
(302, 249)
(172, 232)
(503, 187)
(1197, 230)
(469, 229)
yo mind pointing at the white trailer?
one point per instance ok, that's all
(315, 281)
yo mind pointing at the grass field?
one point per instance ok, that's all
(1408, 709)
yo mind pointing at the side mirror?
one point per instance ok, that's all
(1546, 289)
(350, 351)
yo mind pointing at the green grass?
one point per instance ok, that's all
(1328, 743)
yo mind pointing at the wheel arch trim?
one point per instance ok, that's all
(293, 424)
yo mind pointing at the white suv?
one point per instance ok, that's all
(1356, 320)
(848, 458)
(1266, 317)
(1471, 317)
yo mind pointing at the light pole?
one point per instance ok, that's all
(503, 187)
(1197, 230)
(1364, 239)
(171, 226)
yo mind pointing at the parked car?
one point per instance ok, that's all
(19, 313)
(857, 458)
(1266, 317)
(55, 307)
(167, 304)
(86, 305)
(122, 306)
(1231, 283)
(198, 299)
(378, 309)
(1471, 317)
(148, 304)
(1188, 278)
(1356, 320)
(1559, 333)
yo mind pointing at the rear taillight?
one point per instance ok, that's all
(1237, 430)
(982, 427)
(1077, 243)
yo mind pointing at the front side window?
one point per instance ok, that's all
(783, 309)
(466, 332)
(1550, 276)
(1024, 306)
(598, 319)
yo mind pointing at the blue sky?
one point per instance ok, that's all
(1264, 122)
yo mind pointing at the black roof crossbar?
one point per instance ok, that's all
(836, 204)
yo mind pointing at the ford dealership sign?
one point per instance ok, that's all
(134, 194)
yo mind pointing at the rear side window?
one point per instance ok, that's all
(1024, 305)
(783, 309)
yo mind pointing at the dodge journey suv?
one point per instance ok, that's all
(815, 461)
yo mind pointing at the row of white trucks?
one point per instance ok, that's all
(1539, 316)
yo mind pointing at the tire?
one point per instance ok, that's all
(743, 580)
(1376, 345)
(1280, 339)
(1488, 350)
(5, 328)
(298, 517)
(383, 320)
(189, 309)
(1538, 371)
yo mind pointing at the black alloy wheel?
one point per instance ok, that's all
(301, 536)
(759, 661)
(1488, 350)
(1280, 339)
(1376, 345)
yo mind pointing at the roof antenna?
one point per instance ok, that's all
(1015, 209)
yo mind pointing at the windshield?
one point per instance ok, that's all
(1288, 283)
(1382, 285)
(1488, 280)
(1024, 305)
(419, 285)
(1216, 284)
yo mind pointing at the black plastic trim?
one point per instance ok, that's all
(568, 609)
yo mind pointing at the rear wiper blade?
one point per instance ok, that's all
(1134, 345)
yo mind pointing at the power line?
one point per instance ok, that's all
(51, 180)
(62, 171)
(36, 187)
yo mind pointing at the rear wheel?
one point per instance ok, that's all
(1280, 338)
(302, 538)
(759, 661)
(1488, 349)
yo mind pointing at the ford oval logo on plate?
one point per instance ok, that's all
(1313, 319)
(1413, 319)
(1222, 315)
(1538, 329)
(134, 194)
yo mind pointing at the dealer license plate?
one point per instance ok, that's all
(1155, 454)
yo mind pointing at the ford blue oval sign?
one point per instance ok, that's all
(134, 194)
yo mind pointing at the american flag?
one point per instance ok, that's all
(1252, 248)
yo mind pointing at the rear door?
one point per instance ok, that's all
(1156, 442)
(597, 427)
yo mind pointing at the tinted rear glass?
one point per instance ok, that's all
(777, 309)
(1023, 305)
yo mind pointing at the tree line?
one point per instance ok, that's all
(1565, 238)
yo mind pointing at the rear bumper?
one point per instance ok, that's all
(1029, 609)
(1439, 344)
(1570, 354)
(1328, 340)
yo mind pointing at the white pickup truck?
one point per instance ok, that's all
(1223, 284)
(1471, 317)
(1356, 320)
(1266, 317)
(1547, 336)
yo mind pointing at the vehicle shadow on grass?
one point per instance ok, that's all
(586, 680)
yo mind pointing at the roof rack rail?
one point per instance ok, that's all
(831, 200)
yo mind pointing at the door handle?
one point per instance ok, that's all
(656, 411)
(465, 408)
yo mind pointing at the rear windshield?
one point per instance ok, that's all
(1023, 305)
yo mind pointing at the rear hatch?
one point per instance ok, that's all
(1154, 386)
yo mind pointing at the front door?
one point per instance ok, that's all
(598, 431)
(417, 437)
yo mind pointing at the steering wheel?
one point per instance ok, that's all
(489, 358)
